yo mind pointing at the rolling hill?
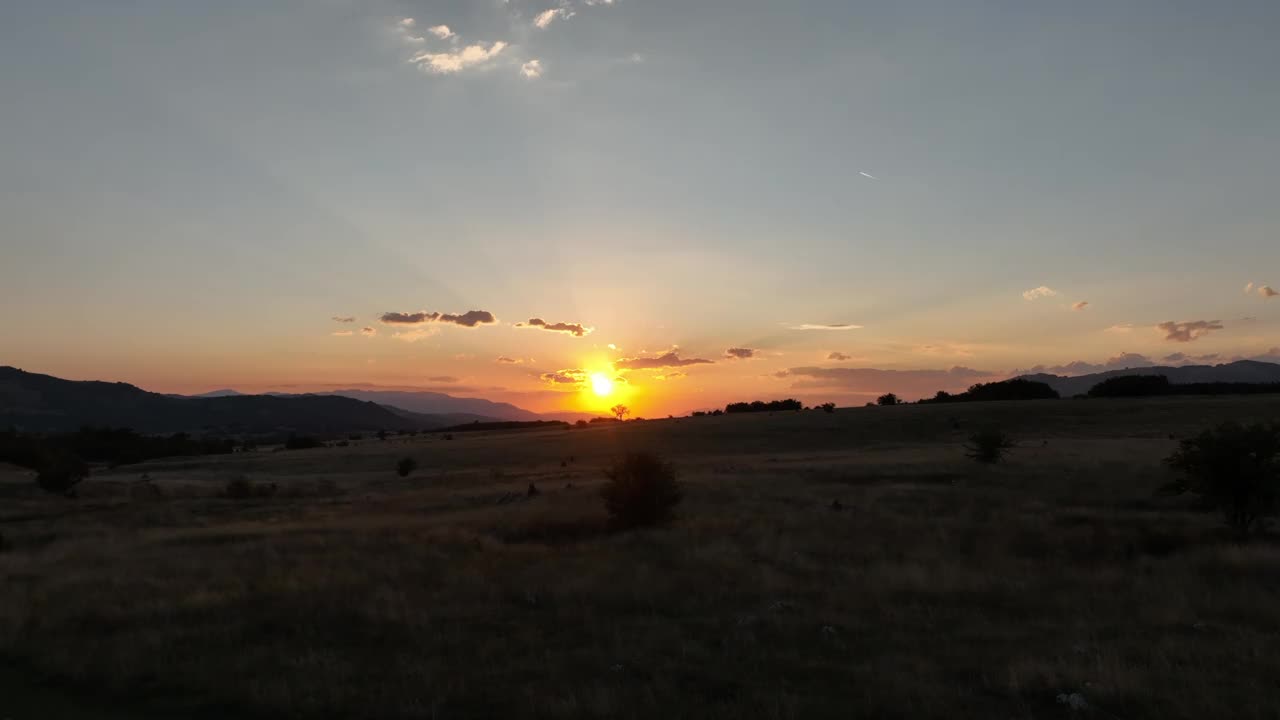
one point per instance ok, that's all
(1241, 371)
(44, 403)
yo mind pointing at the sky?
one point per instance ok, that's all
(698, 201)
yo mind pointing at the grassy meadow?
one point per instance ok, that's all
(938, 588)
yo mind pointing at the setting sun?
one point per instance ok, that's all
(601, 384)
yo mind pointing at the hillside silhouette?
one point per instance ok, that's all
(1241, 371)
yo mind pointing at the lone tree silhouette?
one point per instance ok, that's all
(620, 411)
(888, 399)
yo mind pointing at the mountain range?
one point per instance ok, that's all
(1241, 371)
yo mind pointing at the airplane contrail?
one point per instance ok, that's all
(868, 175)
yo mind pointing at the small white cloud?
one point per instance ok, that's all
(457, 60)
(1040, 292)
(544, 19)
(831, 326)
(1080, 305)
(343, 333)
(868, 175)
(407, 23)
(1119, 329)
(441, 31)
(416, 334)
(532, 69)
(1248, 288)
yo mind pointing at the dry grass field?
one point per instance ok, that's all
(940, 588)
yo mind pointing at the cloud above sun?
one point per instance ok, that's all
(666, 360)
(575, 329)
(469, 319)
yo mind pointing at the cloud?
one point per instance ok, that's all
(565, 377)
(1188, 331)
(575, 329)
(1040, 292)
(666, 360)
(670, 376)
(342, 319)
(504, 360)
(871, 381)
(830, 326)
(839, 356)
(532, 69)
(444, 63)
(1082, 367)
(1266, 291)
(1080, 305)
(740, 353)
(445, 379)
(1248, 288)
(343, 333)
(544, 19)
(442, 31)
(407, 22)
(1119, 329)
(470, 318)
(368, 331)
(1180, 357)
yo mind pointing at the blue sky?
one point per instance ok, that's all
(189, 191)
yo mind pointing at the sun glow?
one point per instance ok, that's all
(601, 384)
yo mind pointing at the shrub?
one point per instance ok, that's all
(60, 474)
(888, 399)
(406, 466)
(642, 490)
(828, 407)
(1234, 469)
(988, 446)
(302, 442)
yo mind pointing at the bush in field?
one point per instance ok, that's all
(642, 490)
(406, 466)
(1234, 469)
(60, 474)
(988, 446)
(828, 407)
(888, 399)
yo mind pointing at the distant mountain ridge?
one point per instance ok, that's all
(44, 403)
(1241, 371)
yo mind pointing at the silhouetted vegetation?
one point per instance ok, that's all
(103, 445)
(620, 411)
(506, 425)
(242, 488)
(1234, 469)
(761, 406)
(642, 490)
(988, 446)
(1155, 385)
(302, 442)
(60, 474)
(828, 407)
(888, 399)
(1015, 389)
(406, 466)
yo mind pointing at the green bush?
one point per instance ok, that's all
(641, 491)
(988, 446)
(406, 466)
(1234, 469)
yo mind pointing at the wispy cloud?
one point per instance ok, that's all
(1080, 305)
(839, 356)
(504, 360)
(1248, 288)
(470, 318)
(544, 19)
(1043, 291)
(343, 319)
(1119, 329)
(1188, 331)
(666, 360)
(368, 331)
(876, 380)
(415, 335)
(442, 31)
(1267, 292)
(575, 329)
(740, 353)
(829, 326)
(343, 333)
(566, 377)
(471, 56)
(868, 175)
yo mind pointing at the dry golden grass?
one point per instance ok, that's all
(940, 589)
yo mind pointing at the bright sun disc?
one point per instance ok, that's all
(601, 384)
